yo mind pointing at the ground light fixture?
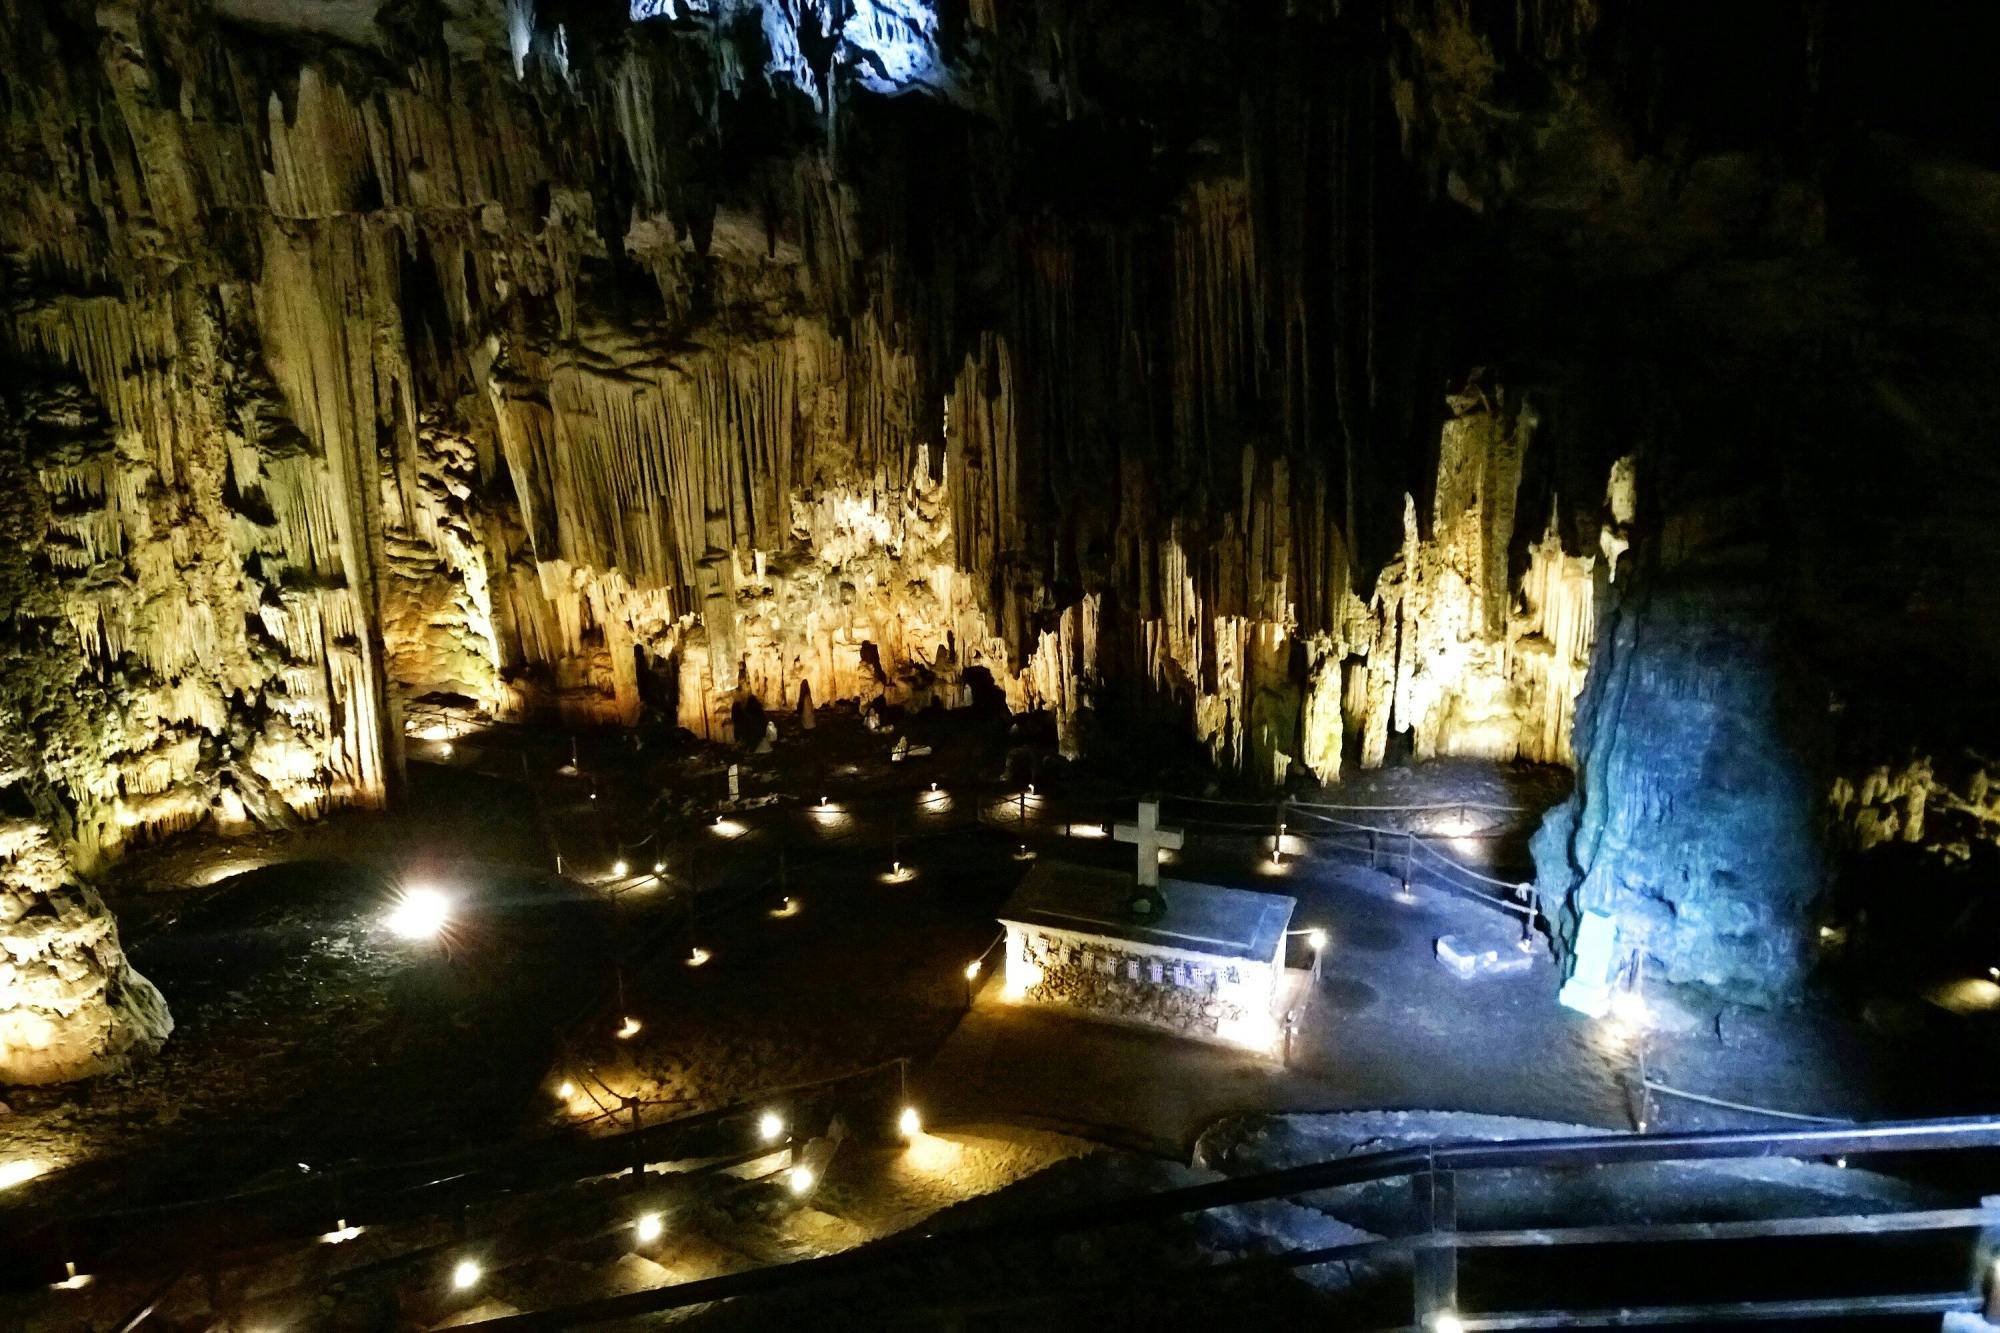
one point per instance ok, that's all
(72, 1280)
(910, 1123)
(420, 913)
(566, 1090)
(697, 956)
(801, 1179)
(659, 867)
(1446, 1323)
(629, 1029)
(465, 1274)
(1629, 1008)
(620, 870)
(649, 1227)
(770, 1126)
(972, 970)
(1316, 938)
(18, 1172)
(341, 1233)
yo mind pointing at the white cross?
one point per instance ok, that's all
(1150, 839)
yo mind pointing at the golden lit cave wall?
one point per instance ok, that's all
(302, 511)
(759, 510)
(206, 567)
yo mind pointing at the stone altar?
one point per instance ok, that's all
(1208, 965)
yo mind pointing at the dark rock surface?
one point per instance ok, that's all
(1693, 819)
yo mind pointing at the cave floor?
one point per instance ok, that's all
(307, 1037)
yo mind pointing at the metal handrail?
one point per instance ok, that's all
(1432, 1160)
(372, 1193)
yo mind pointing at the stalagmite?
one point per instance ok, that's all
(70, 1005)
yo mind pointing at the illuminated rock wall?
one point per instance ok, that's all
(528, 360)
(70, 1005)
(1693, 821)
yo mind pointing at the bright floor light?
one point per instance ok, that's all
(972, 970)
(465, 1275)
(1629, 1008)
(697, 956)
(800, 1178)
(629, 1029)
(567, 1090)
(419, 914)
(620, 870)
(1447, 1323)
(1317, 939)
(650, 1227)
(909, 1122)
(341, 1233)
(18, 1172)
(770, 1126)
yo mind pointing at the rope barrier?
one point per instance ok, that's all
(1666, 1090)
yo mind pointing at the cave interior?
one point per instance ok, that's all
(526, 524)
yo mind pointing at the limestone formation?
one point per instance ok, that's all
(1693, 821)
(552, 361)
(70, 1005)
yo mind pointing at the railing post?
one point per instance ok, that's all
(1434, 1266)
(1986, 1260)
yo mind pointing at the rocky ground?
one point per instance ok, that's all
(308, 1037)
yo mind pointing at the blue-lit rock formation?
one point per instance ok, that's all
(1694, 821)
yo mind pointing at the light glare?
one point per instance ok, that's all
(801, 1180)
(909, 1122)
(19, 1171)
(1629, 1008)
(770, 1126)
(650, 1227)
(419, 914)
(465, 1275)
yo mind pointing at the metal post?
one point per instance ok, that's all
(1986, 1277)
(1434, 1268)
(1641, 1116)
